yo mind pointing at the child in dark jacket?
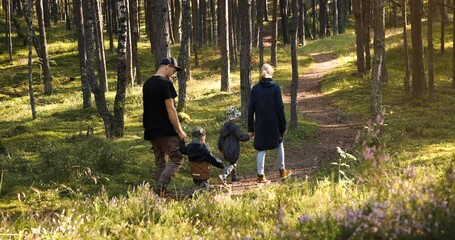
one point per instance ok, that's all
(229, 144)
(200, 157)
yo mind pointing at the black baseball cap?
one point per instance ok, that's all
(170, 61)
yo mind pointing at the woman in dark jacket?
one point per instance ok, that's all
(267, 121)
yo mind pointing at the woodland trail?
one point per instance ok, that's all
(335, 129)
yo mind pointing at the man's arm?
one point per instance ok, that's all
(173, 117)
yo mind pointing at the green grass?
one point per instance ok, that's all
(60, 183)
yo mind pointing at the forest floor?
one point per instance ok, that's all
(335, 129)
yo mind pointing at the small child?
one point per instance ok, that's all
(228, 143)
(200, 157)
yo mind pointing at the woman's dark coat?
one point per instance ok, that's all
(266, 116)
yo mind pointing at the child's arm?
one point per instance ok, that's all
(213, 160)
(241, 137)
(183, 148)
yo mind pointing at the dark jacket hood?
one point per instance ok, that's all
(228, 128)
(266, 82)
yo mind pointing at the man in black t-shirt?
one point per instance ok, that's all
(161, 124)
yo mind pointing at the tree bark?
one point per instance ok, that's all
(161, 32)
(232, 6)
(29, 18)
(443, 20)
(335, 16)
(184, 57)
(67, 16)
(453, 48)
(260, 24)
(213, 26)
(418, 74)
(203, 21)
(44, 53)
(323, 18)
(245, 54)
(100, 99)
(313, 6)
(254, 26)
(301, 30)
(176, 20)
(274, 33)
(101, 55)
(9, 42)
(366, 15)
(79, 24)
(224, 46)
(431, 12)
(359, 36)
(46, 12)
(118, 123)
(341, 16)
(134, 22)
(407, 85)
(284, 21)
(295, 66)
(378, 61)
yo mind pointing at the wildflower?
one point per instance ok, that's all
(304, 218)
(368, 153)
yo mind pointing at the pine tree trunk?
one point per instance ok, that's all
(366, 14)
(161, 32)
(176, 20)
(295, 66)
(323, 18)
(431, 13)
(100, 99)
(9, 42)
(28, 5)
(245, 55)
(313, 6)
(109, 25)
(54, 12)
(407, 85)
(359, 36)
(118, 123)
(260, 24)
(79, 24)
(254, 26)
(341, 16)
(224, 46)
(232, 6)
(67, 16)
(101, 55)
(335, 14)
(301, 30)
(274, 33)
(418, 74)
(379, 49)
(46, 12)
(203, 21)
(443, 20)
(44, 53)
(213, 26)
(184, 57)
(284, 20)
(136, 71)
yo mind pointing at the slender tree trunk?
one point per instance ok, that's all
(295, 66)
(28, 5)
(431, 12)
(214, 21)
(177, 19)
(254, 26)
(341, 16)
(224, 46)
(100, 99)
(313, 6)
(359, 36)
(136, 71)
(232, 6)
(184, 57)
(109, 25)
(301, 30)
(161, 32)
(79, 24)
(379, 49)
(335, 16)
(453, 48)
(394, 14)
(118, 123)
(54, 12)
(45, 10)
(195, 30)
(260, 24)
(9, 42)
(443, 20)
(323, 17)
(284, 20)
(67, 16)
(203, 21)
(407, 85)
(245, 54)
(418, 74)
(274, 33)
(101, 55)
(366, 14)
(43, 40)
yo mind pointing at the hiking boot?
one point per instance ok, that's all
(222, 180)
(262, 179)
(284, 173)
